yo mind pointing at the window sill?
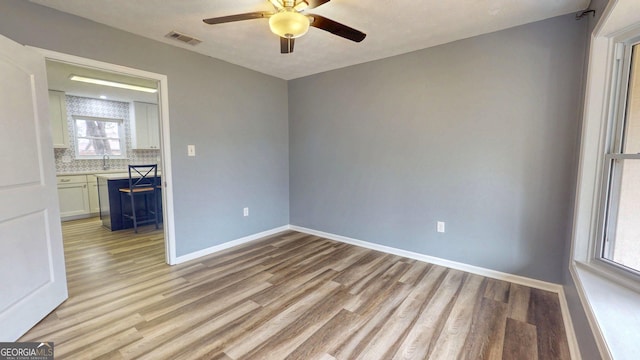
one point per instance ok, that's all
(615, 309)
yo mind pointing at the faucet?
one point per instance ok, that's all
(105, 162)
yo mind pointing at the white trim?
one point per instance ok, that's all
(574, 348)
(163, 98)
(230, 244)
(601, 342)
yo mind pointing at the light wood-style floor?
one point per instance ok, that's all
(290, 296)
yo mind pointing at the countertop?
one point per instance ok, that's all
(101, 173)
(94, 172)
(118, 176)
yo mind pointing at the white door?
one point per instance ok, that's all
(32, 273)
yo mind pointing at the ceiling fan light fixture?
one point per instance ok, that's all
(289, 24)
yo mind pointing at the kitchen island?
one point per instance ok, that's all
(111, 206)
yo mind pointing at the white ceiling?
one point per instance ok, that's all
(392, 26)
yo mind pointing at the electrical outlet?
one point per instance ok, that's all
(245, 211)
(440, 226)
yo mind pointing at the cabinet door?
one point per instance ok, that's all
(58, 115)
(140, 138)
(153, 126)
(94, 202)
(74, 199)
(146, 126)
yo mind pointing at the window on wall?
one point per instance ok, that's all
(620, 245)
(96, 137)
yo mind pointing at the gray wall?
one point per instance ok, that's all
(242, 146)
(479, 133)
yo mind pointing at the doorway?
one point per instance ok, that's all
(163, 154)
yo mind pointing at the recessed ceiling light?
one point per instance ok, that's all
(111, 83)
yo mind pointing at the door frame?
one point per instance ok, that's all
(163, 98)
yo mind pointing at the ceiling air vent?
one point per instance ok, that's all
(184, 38)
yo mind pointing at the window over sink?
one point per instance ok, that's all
(96, 137)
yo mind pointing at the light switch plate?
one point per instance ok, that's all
(191, 150)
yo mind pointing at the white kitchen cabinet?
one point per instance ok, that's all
(58, 118)
(145, 126)
(94, 202)
(73, 195)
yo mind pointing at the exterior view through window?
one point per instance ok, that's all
(98, 136)
(622, 210)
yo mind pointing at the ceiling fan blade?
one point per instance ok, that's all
(315, 3)
(238, 17)
(286, 45)
(336, 28)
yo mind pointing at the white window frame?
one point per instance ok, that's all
(121, 137)
(609, 296)
(610, 190)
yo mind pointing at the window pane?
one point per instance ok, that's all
(624, 244)
(97, 137)
(85, 147)
(114, 145)
(111, 129)
(632, 133)
(81, 128)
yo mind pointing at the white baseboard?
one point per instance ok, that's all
(539, 284)
(229, 244)
(574, 348)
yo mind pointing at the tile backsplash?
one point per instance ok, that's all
(104, 109)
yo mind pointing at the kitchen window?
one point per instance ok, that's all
(96, 137)
(620, 223)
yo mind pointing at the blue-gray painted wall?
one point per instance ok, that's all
(478, 133)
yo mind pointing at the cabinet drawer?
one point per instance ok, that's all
(71, 179)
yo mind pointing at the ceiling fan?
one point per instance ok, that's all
(289, 23)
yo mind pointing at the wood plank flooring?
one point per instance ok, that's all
(289, 296)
